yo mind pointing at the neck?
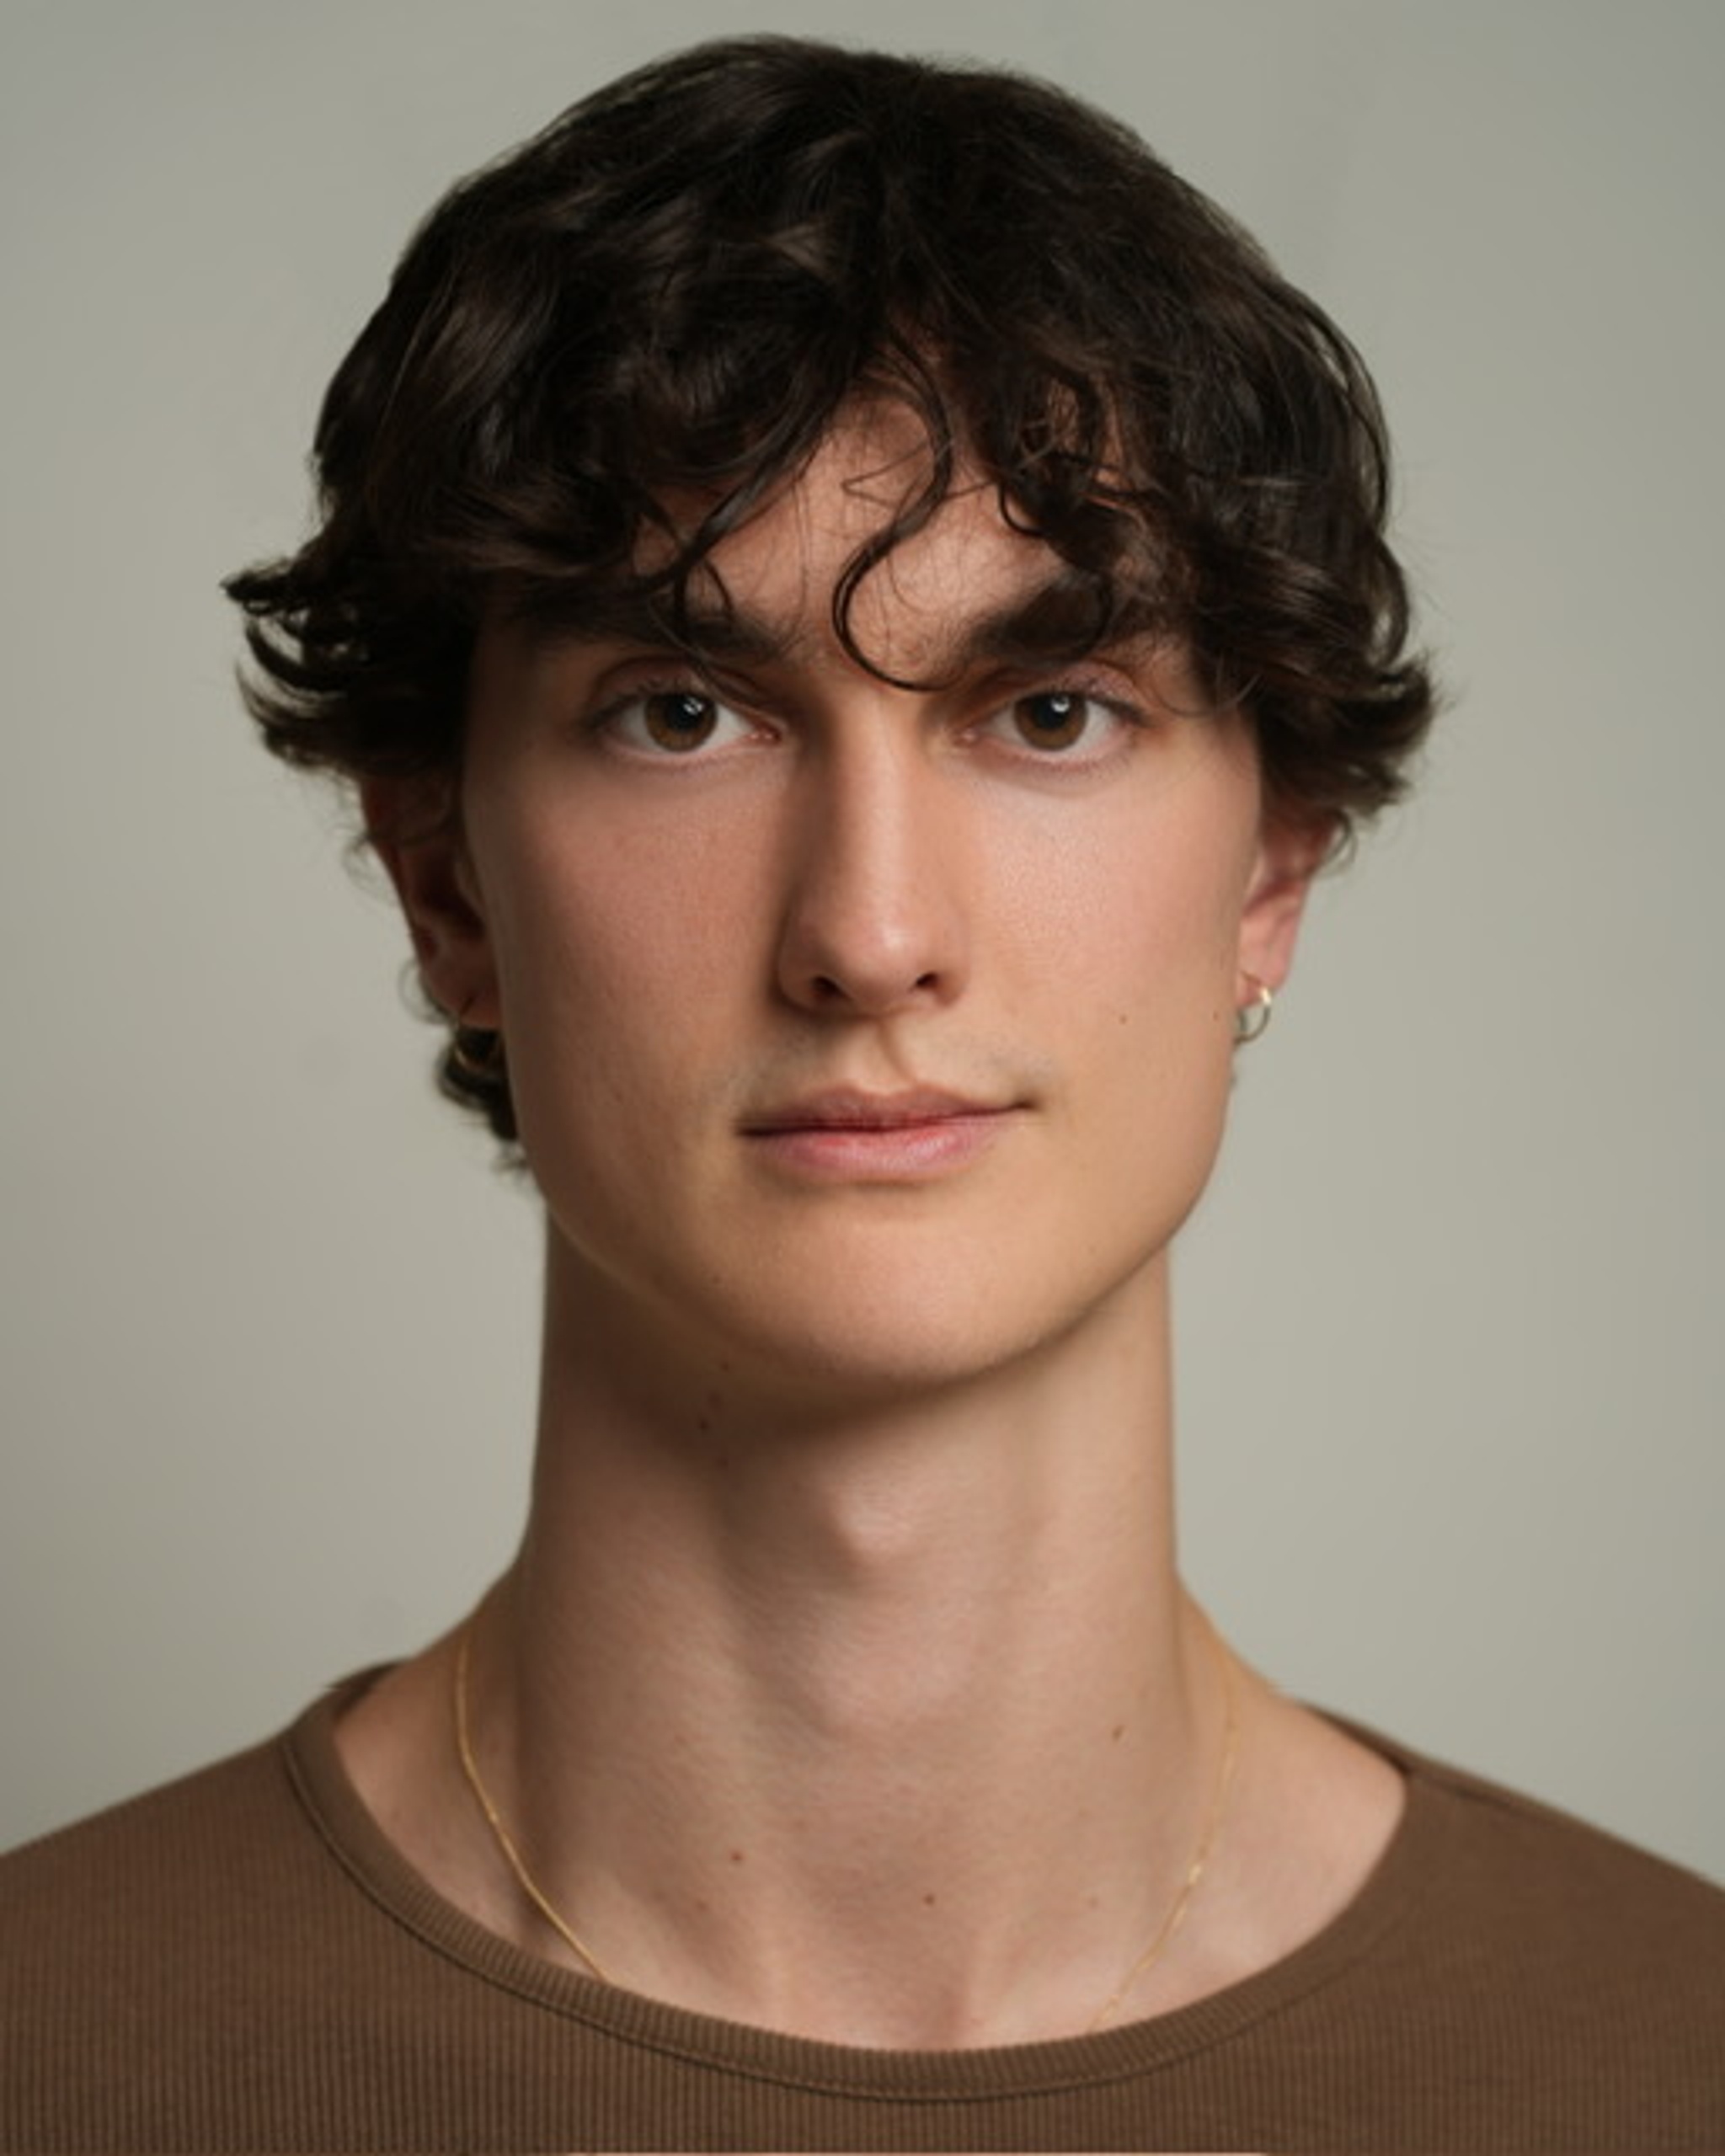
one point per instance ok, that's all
(890, 1725)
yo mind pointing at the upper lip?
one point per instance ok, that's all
(845, 1107)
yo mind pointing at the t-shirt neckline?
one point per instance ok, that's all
(1410, 1859)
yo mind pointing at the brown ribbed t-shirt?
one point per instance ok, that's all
(242, 1961)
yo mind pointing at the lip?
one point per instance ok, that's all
(847, 1135)
(846, 1108)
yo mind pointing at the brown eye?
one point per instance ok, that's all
(1057, 718)
(671, 722)
(678, 719)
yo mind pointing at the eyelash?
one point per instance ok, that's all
(1093, 701)
(606, 720)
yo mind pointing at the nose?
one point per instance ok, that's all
(873, 923)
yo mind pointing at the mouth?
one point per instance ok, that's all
(851, 1136)
(848, 1108)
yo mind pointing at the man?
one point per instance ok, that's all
(856, 605)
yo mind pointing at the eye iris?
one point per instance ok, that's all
(677, 718)
(1054, 720)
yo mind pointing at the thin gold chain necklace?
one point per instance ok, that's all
(1165, 1933)
(1160, 1940)
(501, 1833)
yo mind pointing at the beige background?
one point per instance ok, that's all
(1452, 1317)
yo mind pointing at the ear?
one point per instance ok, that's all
(1290, 855)
(414, 828)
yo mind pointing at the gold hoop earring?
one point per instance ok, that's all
(1250, 1020)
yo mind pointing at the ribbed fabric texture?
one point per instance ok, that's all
(242, 1962)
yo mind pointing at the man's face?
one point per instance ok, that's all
(860, 1036)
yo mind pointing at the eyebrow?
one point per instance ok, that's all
(556, 613)
(1062, 619)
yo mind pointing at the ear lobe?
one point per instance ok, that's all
(1289, 858)
(415, 832)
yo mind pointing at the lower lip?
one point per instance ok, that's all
(910, 1152)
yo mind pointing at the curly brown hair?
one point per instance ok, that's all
(673, 291)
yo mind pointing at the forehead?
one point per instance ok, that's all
(915, 610)
(870, 557)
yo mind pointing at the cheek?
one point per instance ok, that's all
(1153, 1081)
(579, 915)
(1150, 1001)
(614, 952)
(1122, 925)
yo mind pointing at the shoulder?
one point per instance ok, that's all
(229, 1866)
(183, 1837)
(179, 1853)
(1509, 1976)
(1521, 1902)
(1546, 1847)
(149, 1943)
(159, 1896)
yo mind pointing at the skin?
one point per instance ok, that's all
(844, 1683)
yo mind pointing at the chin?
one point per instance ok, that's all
(849, 1336)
